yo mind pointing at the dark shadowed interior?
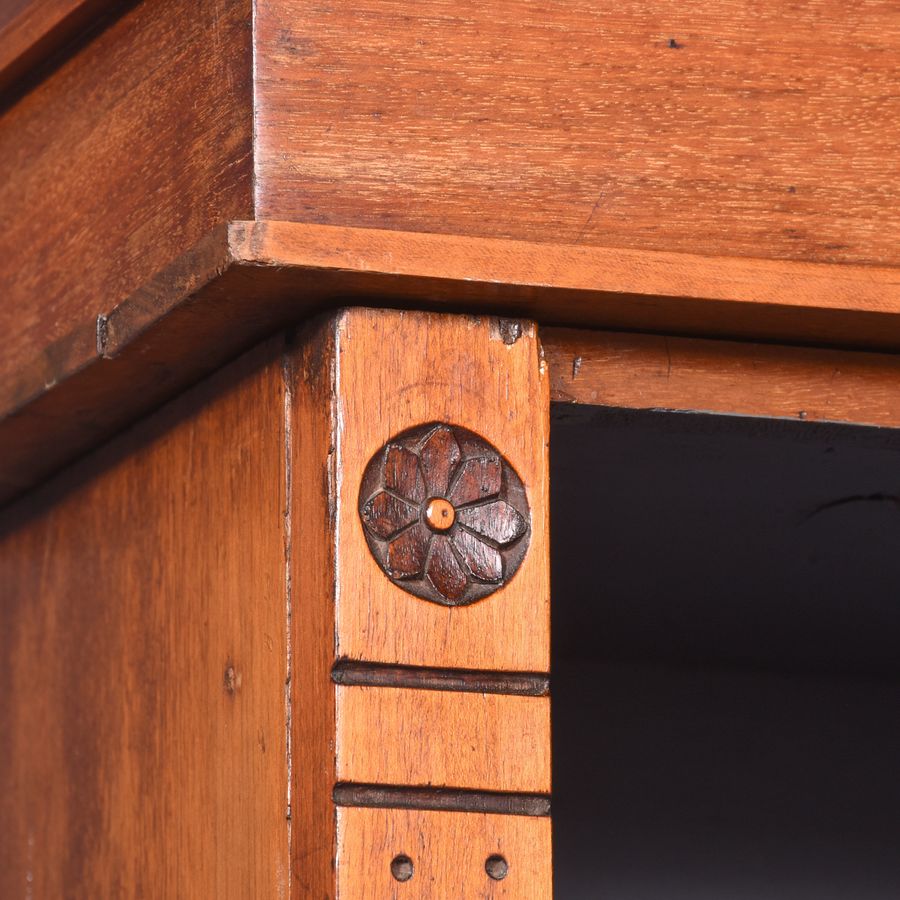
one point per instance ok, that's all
(726, 670)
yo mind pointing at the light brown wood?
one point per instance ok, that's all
(310, 376)
(398, 370)
(722, 127)
(124, 157)
(356, 379)
(448, 852)
(593, 275)
(143, 658)
(443, 738)
(643, 371)
(247, 279)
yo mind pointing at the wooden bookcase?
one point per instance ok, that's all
(340, 339)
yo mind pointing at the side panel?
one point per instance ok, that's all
(143, 659)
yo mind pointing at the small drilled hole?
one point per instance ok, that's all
(402, 868)
(496, 867)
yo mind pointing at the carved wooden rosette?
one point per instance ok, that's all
(444, 514)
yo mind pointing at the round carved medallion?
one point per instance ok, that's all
(444, 514)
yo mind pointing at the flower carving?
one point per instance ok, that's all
(444, 514)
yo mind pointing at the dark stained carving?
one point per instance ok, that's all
(427, 678)
(441, 799)
(387, 514)
(444, 514)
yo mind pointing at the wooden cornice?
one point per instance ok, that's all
(248, 279)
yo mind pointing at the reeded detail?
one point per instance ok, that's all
(444, 514)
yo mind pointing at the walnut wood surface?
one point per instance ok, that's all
(143, 658)
(557, 282)
(15, 9)
(32, 30)
(448, 851)
(722, 127)
(247, 279)
(443, 738)
(169, 622)
(642, 371)
(257, 274)
(397, 370)
(728, 130)
(120, 160)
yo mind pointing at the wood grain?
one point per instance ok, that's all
(32, 30)
(246, 279)
(640, 371)
(448, 851)
(354, 377)
(397, 370)
(14, 9)
(443, 739)
(589, 276)
(122, 159)
(720, 127)
(143, 658)
(311, 376)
